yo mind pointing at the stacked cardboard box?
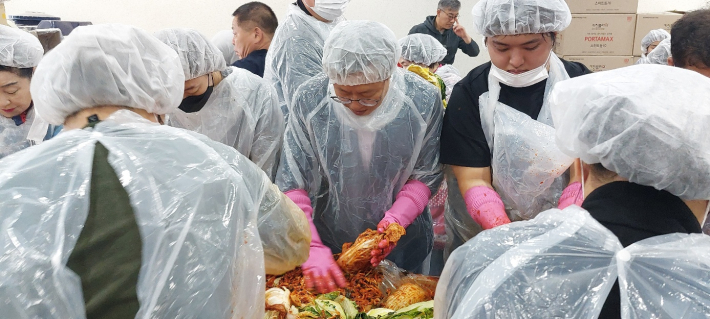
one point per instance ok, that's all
(601, 34)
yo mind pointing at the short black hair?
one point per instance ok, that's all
(690, 40)
(258, 13)
(21, 72)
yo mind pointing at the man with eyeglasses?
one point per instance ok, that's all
(361, 151)
(445, 27)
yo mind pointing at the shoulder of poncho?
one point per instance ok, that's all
(310, 93)
(422, 93)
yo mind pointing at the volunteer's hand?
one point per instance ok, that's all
(571, 195)
(384, 247)
(321, 272)
(486, 207)
(461, 32)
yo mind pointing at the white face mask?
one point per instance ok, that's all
(330, 9)
(528, 78)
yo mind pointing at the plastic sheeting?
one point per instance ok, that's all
(19, 49)
(13, 138)
(451, 76)
(558, 265)
(528, 168)
(353, 166)
(647, 123)
(666, 277)
(189, 195)
(296, 53)
(198, 56)
(223, 41)
(242, 112)
(653, 36)
(360, 52)
(660, 54)
(86, 70)
(422, 48)
(510, 17)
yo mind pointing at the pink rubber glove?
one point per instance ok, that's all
(320, 271)
(571, 195)
(409, 203)
(485, 207)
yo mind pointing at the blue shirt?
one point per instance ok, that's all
(254, 62)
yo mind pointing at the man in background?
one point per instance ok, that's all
(690, 42)
(445, 27)
(253, 26)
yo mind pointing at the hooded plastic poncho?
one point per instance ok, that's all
(451, 76)
(659, 55)
(509, 17)
(198, 56)
(295, 54)
(18, 49)
(422, 49)
(353, 166)
(558, 265)
(665, 277)
(196, 202)
(653, 36)
(223, 41)
(241, 112)
(647, 123)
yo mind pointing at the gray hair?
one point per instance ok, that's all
(454, 5)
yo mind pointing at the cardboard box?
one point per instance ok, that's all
(598, 34)
(3, 16)
(49, 38)
(652, 21)
(603, 6)
(602, 63)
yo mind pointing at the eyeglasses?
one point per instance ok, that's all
(363, 102)
(451, 16)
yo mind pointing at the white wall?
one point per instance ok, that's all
(211, 16)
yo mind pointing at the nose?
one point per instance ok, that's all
(517, 59)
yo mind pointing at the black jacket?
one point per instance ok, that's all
(633, 213)
(449, 39)
(254, 62)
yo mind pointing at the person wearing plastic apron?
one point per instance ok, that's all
(296, 50)
(361, 151)
(120, 217)
(20, 52)
(608, 120)
(498, 138)
(227, 104)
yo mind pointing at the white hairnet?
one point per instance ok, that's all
(223, 41)
(660, 54)
(647, 123)
(198, 55)
(653, 36)
(19, 49)
(422, 48)
(511, 17)
(360, 52)
(109, 64)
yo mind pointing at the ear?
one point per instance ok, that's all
(670, 61)
(258, 35)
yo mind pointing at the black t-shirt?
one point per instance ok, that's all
(633, 213)
(463, 142)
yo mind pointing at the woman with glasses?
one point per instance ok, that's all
(361, 151)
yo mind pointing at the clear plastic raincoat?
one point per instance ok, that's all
(295, 53)
(353, 166)
(241, 112)
(558, 265)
